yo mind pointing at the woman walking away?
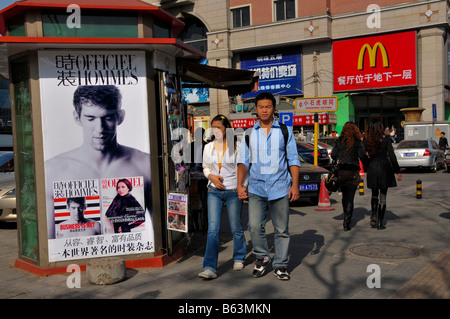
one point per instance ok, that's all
(382, 164)
(220, 167)
(347, 152)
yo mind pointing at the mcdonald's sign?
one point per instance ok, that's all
(375, 62)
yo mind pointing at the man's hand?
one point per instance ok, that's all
(294, 193)
(242, 192)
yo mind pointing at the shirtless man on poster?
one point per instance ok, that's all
(77, 224)
(98, 111)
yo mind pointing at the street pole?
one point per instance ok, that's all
(316, 115)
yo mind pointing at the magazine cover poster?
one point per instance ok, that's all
(94, 121)
(77, 208)
(177, 212)
(122, 205)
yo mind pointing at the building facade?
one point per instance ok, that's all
(375, 58)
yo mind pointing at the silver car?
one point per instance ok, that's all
(420, 154)
(7, 187)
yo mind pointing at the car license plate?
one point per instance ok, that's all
(308, 187)
(409, 154)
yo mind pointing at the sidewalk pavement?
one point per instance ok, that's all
(412, 253)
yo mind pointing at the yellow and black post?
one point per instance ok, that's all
(361, 187)
(419, 189)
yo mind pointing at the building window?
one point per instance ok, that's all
(284, 9)
(194, 34)
(241, 17)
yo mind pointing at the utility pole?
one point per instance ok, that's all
(316, 115)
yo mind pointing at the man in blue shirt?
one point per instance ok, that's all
(270, 186)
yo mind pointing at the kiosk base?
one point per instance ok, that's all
(157, 261)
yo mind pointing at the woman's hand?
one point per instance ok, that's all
(399, 177)
(217, 180)
(242, 192)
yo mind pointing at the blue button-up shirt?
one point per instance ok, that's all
(269, 176)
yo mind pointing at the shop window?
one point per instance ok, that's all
(240, 17)
(284, 9)
(16, 26)
(161, 30)
(93, 24)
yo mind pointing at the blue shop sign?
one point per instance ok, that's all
(280, 71)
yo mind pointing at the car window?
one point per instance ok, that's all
(412, 144)
(434, 144)
(7, 162)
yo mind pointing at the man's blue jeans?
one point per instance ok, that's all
(216, 199)
(257, 215)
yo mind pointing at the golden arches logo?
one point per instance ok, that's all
(372, 51)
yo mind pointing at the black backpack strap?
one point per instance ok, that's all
(247, 141)
(285, 132)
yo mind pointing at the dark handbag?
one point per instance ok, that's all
(332, 180)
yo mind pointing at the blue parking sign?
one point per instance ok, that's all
(287, 118)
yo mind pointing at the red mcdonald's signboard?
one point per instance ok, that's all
(375, 62)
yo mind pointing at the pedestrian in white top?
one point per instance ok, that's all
(220, 167)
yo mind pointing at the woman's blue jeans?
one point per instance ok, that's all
(257, 219)
(216, 200)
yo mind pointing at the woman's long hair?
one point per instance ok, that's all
(375, 137)
(350, 134)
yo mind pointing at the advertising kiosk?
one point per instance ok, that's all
(92, 87)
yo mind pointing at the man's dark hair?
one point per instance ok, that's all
(443, 133)
(105, 96)
(77, 200)
(265, 96)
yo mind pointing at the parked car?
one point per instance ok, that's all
(306, 150)
(327, 147)
(328, 140)
(447, 160)
(7, 187)
(420, 154)
(310, 179)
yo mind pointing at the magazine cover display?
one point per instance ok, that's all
(177, 213)
(96, 153)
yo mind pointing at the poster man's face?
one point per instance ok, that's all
(76, 211)
(99, 125)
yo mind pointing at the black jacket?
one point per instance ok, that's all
(125, 212)
(382, 166)
(348, 160)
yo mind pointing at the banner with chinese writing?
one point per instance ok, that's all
(316, 104)
(298, 120)
(375, 62)
(280, 71)
(95, 132)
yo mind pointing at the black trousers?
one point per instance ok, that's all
(348, 181)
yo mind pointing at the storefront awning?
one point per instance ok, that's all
(237, 82)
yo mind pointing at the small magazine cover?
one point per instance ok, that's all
(77, 208)
(177, 212)
(123, 204)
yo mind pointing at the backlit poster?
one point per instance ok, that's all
(96, 153)
(280, 70)
(375, 62)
